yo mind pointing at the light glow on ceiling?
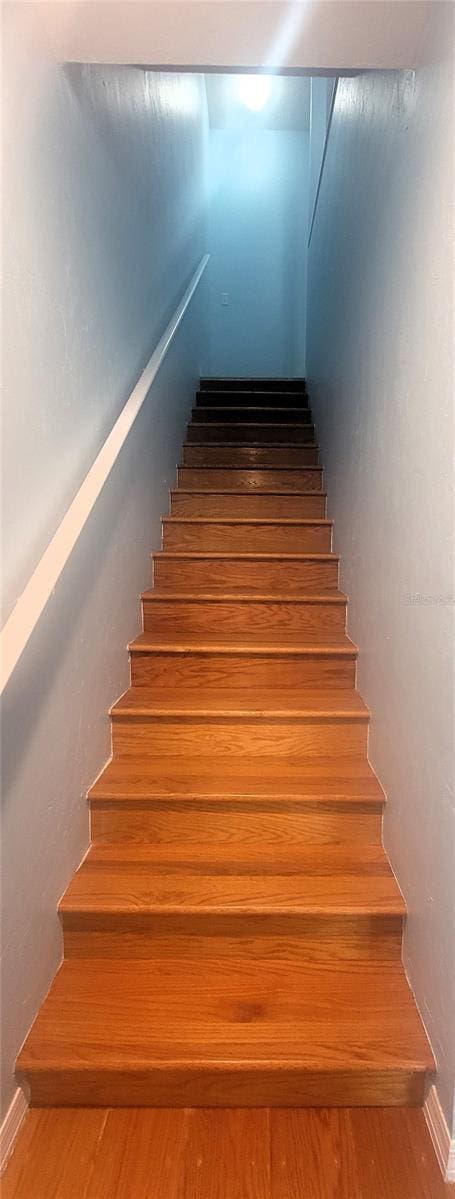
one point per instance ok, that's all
(255, 91)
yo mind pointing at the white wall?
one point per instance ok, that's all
(380, 367)
(104, 204)
(257, 241)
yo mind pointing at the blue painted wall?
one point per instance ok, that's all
(258, 180)
(105, 206)
(380, 371)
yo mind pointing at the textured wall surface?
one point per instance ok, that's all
(380, 367)
(257, 242)
(104, 201)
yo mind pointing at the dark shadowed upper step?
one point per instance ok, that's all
(246, 383)
(250, 413)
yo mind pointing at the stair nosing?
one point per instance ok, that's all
(250, 445)
(239, 709)
(103, 794)
(219, 597)
(250, 469)
(176, 491)
(289, 409)
(323, 557)
(251, 424)
(196, 645)
(288, 911)
(306, 521)
(237, 1065)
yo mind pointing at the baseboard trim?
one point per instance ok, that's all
(443, 1146)
(11, 1125)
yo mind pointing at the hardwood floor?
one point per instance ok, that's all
(146, 1153)
(233, 938)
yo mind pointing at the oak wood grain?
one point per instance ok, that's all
(292, 724)
(248, 505)
(142, 1154)
(245, 572)
(228, 1155)
(312, 902)
(316, 661)
(250, 457)
(257, 822)
(351, 781)
(192, 614)
(360, 1040)
(323, 1153)
(242, 433)
(251, 479)
(146, 799)
(260, 536)
(55, 1154)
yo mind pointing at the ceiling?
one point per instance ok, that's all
(287, 106)
(288, 35)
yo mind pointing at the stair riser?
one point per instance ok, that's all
(231, 670)
(250, 434)
(185, 617)
(196, 1086)
(249, 507)
(248, 481)
(282, 823)
(247, 392)
(262, 415)
(231, 574)
(248, 538)
(245, 456)
(318, 939)
(253, 383)
(295, 740)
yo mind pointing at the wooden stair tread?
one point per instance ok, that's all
(224, 858)
(315, 704)
(219, 879)
(254, 643)
(324, 782)
(100, 1015)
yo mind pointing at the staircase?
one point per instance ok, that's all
(234, 936)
